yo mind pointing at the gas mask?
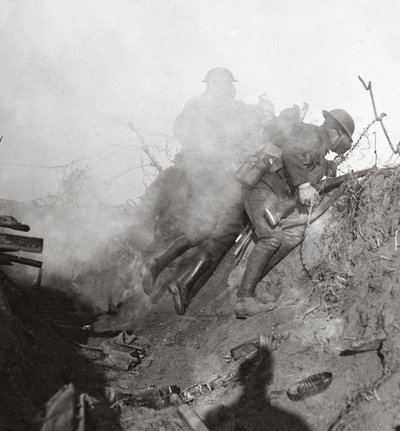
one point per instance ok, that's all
(340, 141)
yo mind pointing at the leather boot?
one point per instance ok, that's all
(246, 305)
(153, 267)
(250, 306)
(182, 288)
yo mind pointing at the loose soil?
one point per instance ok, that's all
(336, 294)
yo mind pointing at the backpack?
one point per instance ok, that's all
(269, 159)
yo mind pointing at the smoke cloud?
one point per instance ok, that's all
(75, 74)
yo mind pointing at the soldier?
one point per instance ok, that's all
(303, 164)
(215, 131)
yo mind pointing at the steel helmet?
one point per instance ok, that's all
(343, 118)
(219, 74)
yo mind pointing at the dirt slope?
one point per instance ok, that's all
(337, 300)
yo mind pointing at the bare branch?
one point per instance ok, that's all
(145, 148)
(380, 118)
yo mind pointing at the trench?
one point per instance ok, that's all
(350, 300)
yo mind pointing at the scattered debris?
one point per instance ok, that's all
(362, 345)
(248, 348)
(244, 349)
(122, 351)
(154, 398)
(242, 352)
(353, 294)
(224, 380)
(194, 391)
(159, 398)
(311, 385)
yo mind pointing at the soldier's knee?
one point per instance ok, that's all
(293, 236)
(273, 242)
(214, 247)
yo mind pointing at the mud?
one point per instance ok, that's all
(336, 292)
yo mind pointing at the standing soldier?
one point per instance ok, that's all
(303, 164)
(216, 131)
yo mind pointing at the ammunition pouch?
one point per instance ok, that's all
(257, 165)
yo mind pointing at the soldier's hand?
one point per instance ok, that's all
(307, 194)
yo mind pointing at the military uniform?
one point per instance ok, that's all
(303, 161)
(303, 158)
(216, 133)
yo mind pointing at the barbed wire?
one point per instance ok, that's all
(125, 144)
(141, 166)
(65, 165)
(363, 134)
(362, 150)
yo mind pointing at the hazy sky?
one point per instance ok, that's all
(75, 72)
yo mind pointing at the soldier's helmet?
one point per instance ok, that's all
(220, 74)
(344, 119)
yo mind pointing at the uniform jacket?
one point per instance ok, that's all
(302, 151)
(218, 129)
(303, 154)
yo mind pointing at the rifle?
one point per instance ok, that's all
(279, 210)
(243, 240)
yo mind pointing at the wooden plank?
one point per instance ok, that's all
(20, 243)
(60, 410)
(190, 419)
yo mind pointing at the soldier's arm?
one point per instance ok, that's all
(316, 174)
(294, 154)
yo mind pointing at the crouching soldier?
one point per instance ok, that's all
(215, 131)
(301, 165)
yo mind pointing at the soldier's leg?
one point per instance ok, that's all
(154, 265)
(269, 242)
(205, 261)
(197, 227)
(194, 223)
(212, 252)
(291, 238)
